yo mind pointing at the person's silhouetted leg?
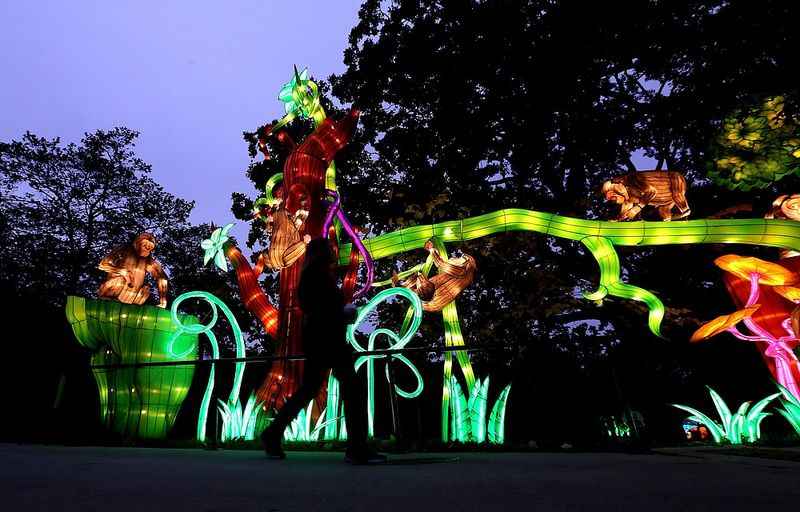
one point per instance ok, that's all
(313, 377)
(355, 410)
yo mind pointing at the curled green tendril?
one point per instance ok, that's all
(610, 283)
(206, 329)
(396, 342)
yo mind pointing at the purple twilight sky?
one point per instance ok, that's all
(189, 75)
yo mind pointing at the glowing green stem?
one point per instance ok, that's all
(610, 283)
(206, 329)
(766, 232)
(399, 341)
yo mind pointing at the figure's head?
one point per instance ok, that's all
(615, 191)
(144, 244)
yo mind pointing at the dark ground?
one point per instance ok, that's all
(121, 479)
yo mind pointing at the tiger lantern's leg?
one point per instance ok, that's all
(678, 186)
(665, 212)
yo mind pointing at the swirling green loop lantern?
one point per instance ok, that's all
(183, 328)
(397, 342)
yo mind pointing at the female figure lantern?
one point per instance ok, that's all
(303, 189)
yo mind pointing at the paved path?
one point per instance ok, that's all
(121, 479)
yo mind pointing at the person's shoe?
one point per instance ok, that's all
(272, 445)
(362, 458)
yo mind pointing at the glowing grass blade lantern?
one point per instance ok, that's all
(332, 408)
(477, 410)
(497, 419)
(744, 425)
(238, 424)
(790, 409)
(300, 429)
(468, 421)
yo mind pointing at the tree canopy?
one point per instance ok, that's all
(758, 146)
(65, 206)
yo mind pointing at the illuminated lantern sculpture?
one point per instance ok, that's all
(286, 245)
(303, 186)
(308, 184)
(126, 268)
(664, 190)
(298, 213)
(135, 402)
(454, 274)
(765, 293)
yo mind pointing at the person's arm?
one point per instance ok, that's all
(350, 313)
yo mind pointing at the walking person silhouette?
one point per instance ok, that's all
(325, 321)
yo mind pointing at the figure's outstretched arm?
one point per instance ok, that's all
(261, 262)
(157, 271)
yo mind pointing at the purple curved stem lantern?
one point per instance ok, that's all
(335, 209)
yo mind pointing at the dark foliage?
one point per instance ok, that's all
(473, 106)
(64, 206)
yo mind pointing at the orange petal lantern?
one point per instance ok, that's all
(771, 284)
(722, 323)
(768, 273)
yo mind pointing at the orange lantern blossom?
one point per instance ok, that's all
(778, 350)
